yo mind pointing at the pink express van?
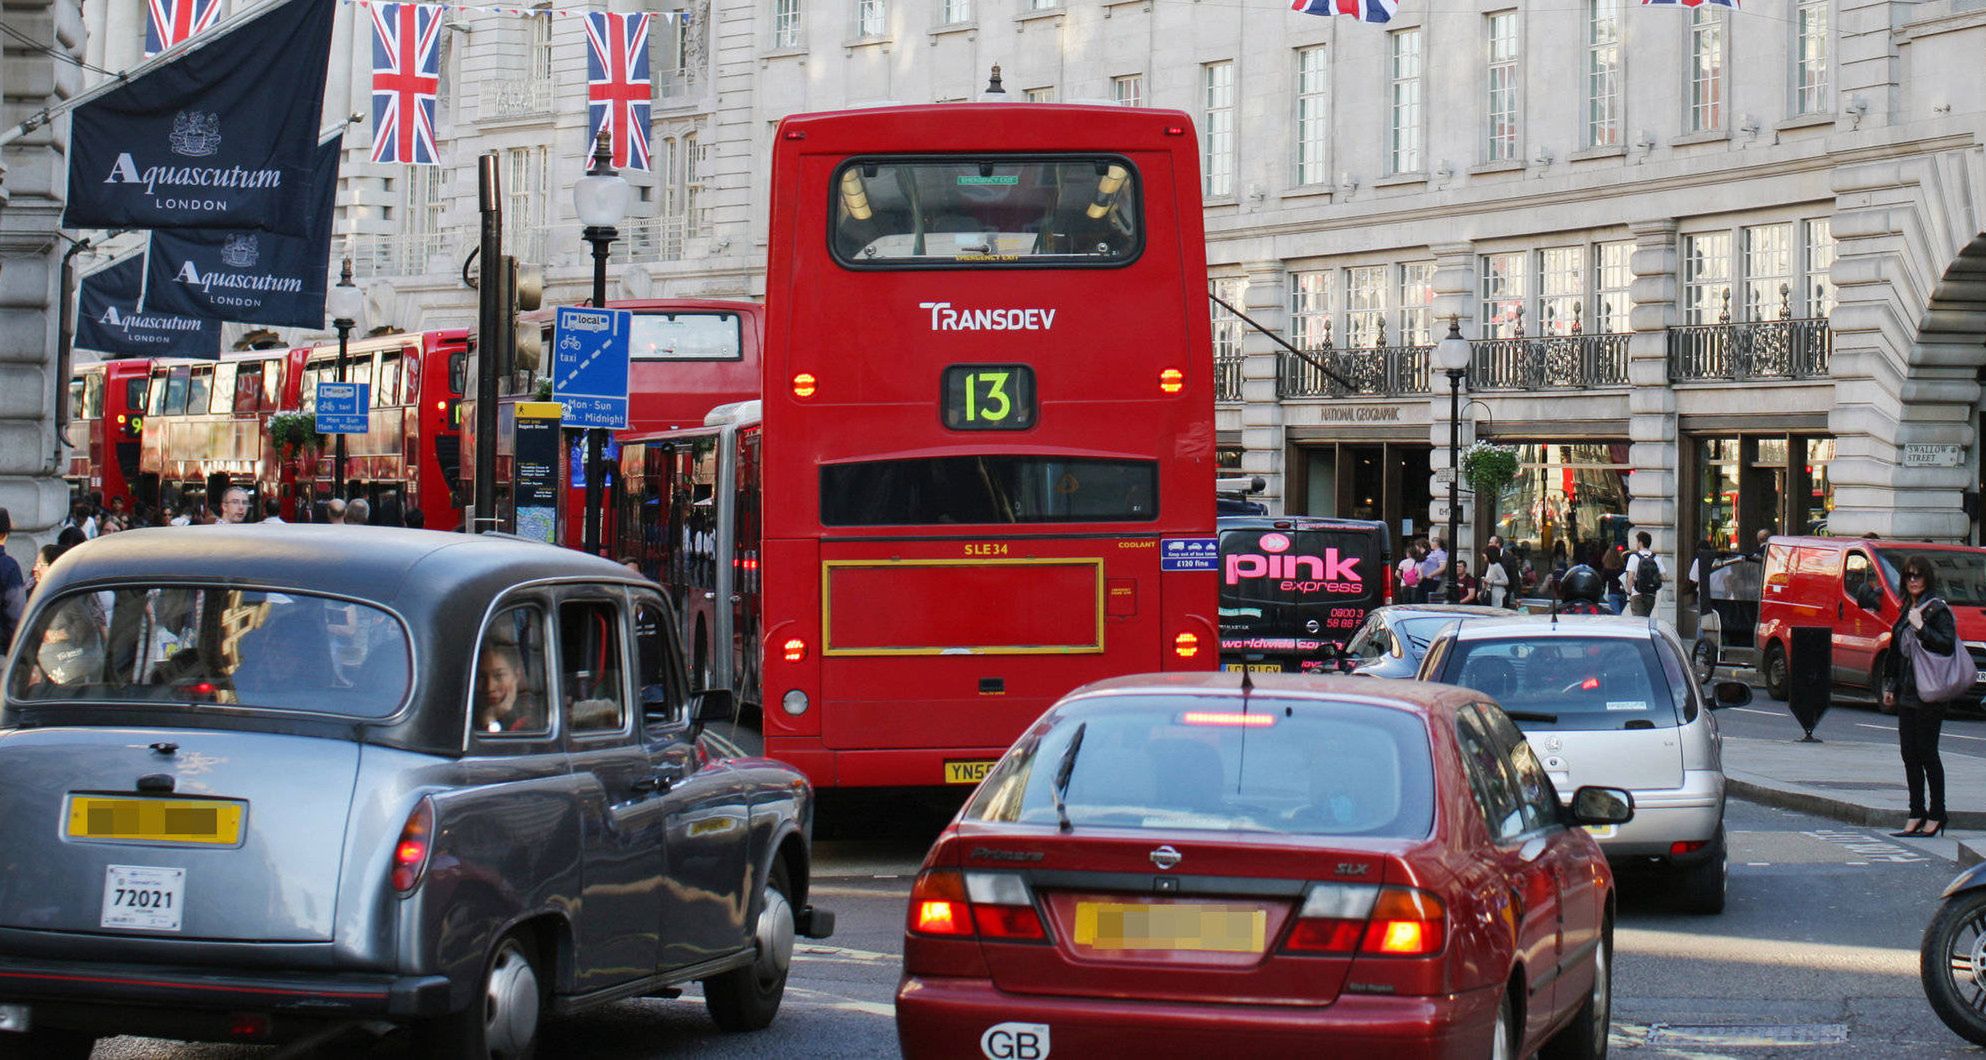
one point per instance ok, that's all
(1294, 588)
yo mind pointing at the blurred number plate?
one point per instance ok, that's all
(144, 897)
(205, 821)
(1602, 831)
(1253, 668)
(1140, 926)
(967, 772)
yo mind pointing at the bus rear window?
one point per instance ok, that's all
(988, 489)
(988, 212)
(686, 337)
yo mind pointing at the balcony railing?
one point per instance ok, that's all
(414, 254)
(1549, 362)
(1227, 377)
(516, 98)
(1760, 349)
(1381, 371)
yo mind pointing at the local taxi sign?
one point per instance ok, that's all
(590, 366)
(1189, 553)
(341, 407)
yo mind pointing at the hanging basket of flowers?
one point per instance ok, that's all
(1489, 467)
(293, 432)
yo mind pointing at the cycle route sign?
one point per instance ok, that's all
(590, 366)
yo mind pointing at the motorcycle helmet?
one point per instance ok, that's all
(1581, 583)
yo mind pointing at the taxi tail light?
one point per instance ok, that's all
(1405, 923)
(416, 843)
(987, 905)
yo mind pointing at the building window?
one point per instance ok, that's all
(1041, 95)
(1810, 57)
(1706, 69)
(1603, 73)
(1313, 130)
(957, 11)
(1561, 290)
(1503, 294)
(786, 23)
(1611, 279)
(871, 18)
(1311, 307)
(1227, 325)
(1128, 91)
(1502, 86)
(1217, 83)
(1416, 299)
(1365, 306)
(1043, 5)
(1818, 237)
(1404, 154)
(1768, 271)
(539, 44)
(1706, 277)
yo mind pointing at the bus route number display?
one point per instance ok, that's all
(989, 397)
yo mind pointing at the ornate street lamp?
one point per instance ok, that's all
(346, 304)
(1452, 355)
(600, 198)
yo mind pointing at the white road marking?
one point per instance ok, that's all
(1767, 713)
(843, 953)
(1947, 735)
(1866, 846)
(1866, 725)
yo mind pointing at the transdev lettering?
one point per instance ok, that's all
(945, 318)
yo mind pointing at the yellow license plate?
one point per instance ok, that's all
(968, 772)
(1602, 831)
(1253, 668)
(1145, 926)
(205, 821)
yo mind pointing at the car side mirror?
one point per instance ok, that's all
(1593, 805)
(712, 704)
(1730, 694)
(1868, 598)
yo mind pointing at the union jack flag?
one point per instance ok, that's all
(1688, 3)
(618, 91)
(172, 21)
(1363, 10)
(406, 75)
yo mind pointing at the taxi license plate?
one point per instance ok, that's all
(1602, 831)
(143, 897)
(1253, 668)
(206, 822)
(1145, 926)
(967, 772)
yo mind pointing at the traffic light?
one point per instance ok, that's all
(524, 291)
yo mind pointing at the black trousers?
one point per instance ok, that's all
(1917, 726)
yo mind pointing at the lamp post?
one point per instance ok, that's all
(1451, 355)
(346, 304)
(600, 199)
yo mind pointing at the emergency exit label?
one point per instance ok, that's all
(1189, 553)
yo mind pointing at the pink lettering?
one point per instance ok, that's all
(1340, 569)
(1239, 567)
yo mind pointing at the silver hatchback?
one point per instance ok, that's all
(264, 783)
(1612, 701)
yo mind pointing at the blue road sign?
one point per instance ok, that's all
(1189, 553)
(341, 407)
(590, 366)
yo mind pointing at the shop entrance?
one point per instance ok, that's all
(1387, 481)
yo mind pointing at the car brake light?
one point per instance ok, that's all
(1590, 684)
(1332, 918)
(1688, 846)
(794, 650)
(1386, 583)
(1405, 923)
(938, 905)
(991, 905)
(1186, 645)
(410, 854)
(1227, 719)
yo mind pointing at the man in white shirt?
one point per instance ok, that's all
(1642, 586)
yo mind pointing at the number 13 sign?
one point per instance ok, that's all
(989, 397)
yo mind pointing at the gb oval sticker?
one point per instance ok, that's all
(1015, 1041)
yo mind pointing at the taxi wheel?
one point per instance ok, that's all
(49, 1043)
(1585, 1038)
(746, 999)
(501, 1021)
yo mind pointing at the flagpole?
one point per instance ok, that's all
(198, 41)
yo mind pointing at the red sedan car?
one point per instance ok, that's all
(1194, 864)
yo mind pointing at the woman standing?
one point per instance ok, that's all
(1929, 623)
(1495, 588)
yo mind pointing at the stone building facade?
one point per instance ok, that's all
(1723, 271)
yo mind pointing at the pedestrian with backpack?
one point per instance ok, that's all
(1643, 576)
(1928, 670)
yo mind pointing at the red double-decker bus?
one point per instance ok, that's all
(411, 457)
(205, 426)
(105, 426)
(985, 467)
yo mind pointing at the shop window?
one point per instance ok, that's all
(1568, 504)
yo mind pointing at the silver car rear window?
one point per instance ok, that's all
(1295, 766)
(1568, 682)
(192, 647)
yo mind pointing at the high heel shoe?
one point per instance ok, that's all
(1915, 827)
(1935, 828)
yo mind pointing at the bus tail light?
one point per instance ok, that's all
(1186, 645)
(1172, 381)
(410, 854)
(804, 385)
(794, 650)
(991, 905)
(794, 702)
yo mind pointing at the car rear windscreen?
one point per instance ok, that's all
(1569, 682)
(196, 646)
(1274, 581)
(1165, 762)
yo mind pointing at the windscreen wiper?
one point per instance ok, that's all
(1060, 789)
(1531, 715)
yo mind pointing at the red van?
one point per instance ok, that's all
(1853, 586)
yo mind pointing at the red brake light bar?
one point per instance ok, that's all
(1228, 719)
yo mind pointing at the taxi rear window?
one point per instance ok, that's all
(1293, 766)
(1569, 683)
(193, 647)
